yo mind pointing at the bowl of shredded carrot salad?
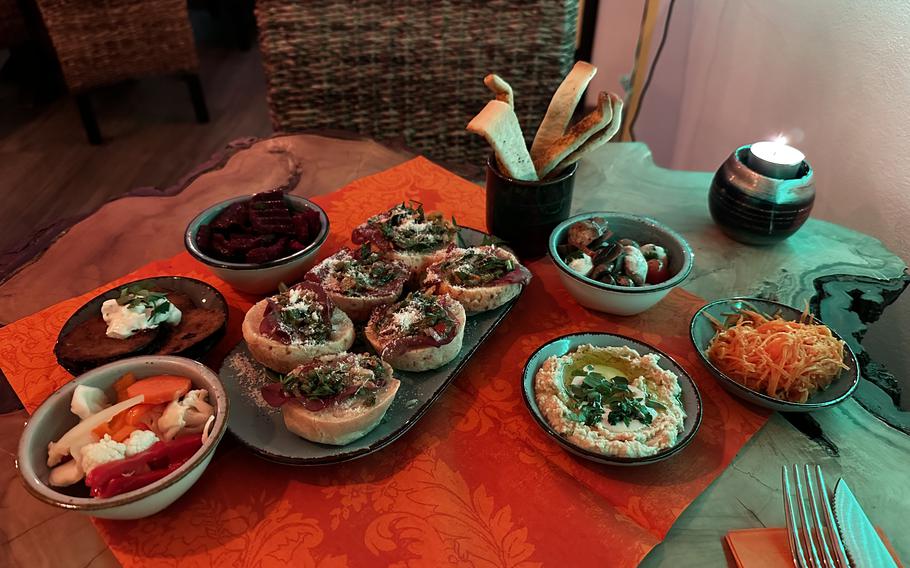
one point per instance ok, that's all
(774, 355)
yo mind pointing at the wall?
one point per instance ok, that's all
(833, 75)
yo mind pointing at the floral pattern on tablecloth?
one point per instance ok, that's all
(474, 483)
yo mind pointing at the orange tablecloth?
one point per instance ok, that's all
(475, 482)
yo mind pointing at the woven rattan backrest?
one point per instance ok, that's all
(411, 70)
(104, 41)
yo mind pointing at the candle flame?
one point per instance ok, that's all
(780, 139)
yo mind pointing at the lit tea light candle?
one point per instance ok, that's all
(776, 159)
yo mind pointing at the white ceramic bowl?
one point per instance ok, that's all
(53, 419)
(621, 300)
(259, 278)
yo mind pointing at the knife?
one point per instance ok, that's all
(864, 547)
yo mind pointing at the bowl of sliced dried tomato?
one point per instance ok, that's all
(254, 243)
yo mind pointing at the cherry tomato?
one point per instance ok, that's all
(657, 272)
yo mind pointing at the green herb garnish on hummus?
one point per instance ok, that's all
(596, 394)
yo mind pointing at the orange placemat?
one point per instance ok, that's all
(475, 482)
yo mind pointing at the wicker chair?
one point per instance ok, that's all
(100, 42)
(412, 69)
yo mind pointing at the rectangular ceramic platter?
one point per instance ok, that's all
(262, 429)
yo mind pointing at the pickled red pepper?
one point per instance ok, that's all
(121, 476)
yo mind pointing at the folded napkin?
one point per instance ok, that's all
(768, 548)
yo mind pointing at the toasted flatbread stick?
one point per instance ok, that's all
(562, 107)
(577, 135)
(500, 88)
(599, 138)
(499, 125)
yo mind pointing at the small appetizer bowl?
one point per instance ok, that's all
(689, 396)
(702, 331)
(260, 278)
(622, 300)
(53, 418)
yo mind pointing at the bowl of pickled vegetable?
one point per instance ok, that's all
(619, 263)
(125, 440)
(254, 243)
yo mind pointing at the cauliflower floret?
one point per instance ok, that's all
(139, 441)
(87, 401)
(104, 450)
(187, 415)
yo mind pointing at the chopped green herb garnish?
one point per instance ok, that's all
(136, 297)
(333, 379)
(408, 227)
(476, 268)
(491, 240)
(597, 394)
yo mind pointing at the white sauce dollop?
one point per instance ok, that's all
(124, 321)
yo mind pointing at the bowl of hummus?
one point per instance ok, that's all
(611, 399)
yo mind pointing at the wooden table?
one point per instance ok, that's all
(848, 276)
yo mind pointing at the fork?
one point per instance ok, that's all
(813, 544)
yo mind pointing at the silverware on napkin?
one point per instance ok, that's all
(864, 547)
(811, 528)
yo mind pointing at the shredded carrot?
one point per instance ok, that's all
(789, 360)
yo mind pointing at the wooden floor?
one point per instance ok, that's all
(49, 172)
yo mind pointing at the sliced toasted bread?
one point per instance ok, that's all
(195, 326)
(88, 343)
(282, 357)
(500, 88)
(344, 422)
(598, 139)
(499, 125)
(562, 107)
(418, 358)
(180, 300)
(469, 277)
(578, 134)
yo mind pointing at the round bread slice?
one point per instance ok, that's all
(481, 298)
(88, 343)
(339, 424)
(285, 358)
(421, 358)
(359, 308)
(475, 299)
(347, 282)
(196, 325)
(415, 261)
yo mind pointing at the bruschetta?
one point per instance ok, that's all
(407, 234)
(296, 326)
(334, 399)
(419, 333)
(481, 278)
(358, 281)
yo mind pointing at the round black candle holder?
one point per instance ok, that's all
(756, 209)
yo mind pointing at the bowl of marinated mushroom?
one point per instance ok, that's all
(619, 263)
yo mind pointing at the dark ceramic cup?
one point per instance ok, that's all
(524, 213)
(755, 209)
